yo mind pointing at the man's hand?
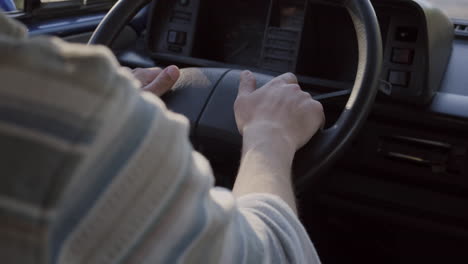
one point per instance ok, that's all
(157, 80)
(275, 120)
(279, 108)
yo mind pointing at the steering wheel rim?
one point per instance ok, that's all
(312, 160)
(327, 146)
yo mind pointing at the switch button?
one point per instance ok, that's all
(406, 34)
(402, 56)
(399, 78)
(176, 37)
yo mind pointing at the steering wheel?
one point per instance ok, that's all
(206, 95)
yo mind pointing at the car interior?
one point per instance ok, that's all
(386, 181)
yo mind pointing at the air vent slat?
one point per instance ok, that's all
(440, 157)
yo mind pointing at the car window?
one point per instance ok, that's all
(11, 5)
(19, 5)
(72, 3)
(453, 8)
(80, 2)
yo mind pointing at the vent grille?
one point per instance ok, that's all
(440, 157)
(461, 28)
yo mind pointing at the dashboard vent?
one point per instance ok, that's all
(461, 28)
(440, 157)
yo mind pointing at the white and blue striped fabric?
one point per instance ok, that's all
(94, 171)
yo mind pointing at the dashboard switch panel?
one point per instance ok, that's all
(173, 24)
(283, 35)
(417, 48)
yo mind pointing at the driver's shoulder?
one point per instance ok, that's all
(49, 66)
(69, 77)
(90, 68)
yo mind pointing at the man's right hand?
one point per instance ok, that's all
(279, 109)
(275, 120)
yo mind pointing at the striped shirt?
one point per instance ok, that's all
(95, 171)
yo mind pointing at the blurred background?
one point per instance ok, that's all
(454, 8)
(19, 4)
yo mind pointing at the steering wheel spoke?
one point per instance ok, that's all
(327, 97)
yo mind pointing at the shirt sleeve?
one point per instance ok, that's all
(169, 211)
(116, 178)
(162, 207)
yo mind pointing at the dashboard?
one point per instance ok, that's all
(408, 166)
(314, 39)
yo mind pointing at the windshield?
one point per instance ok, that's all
(453, 8)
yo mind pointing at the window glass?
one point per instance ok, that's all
(17, 5)
(52, 4)
(81, 2)
(11, 5)
(453, 8)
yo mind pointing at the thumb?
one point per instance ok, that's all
(164, 81)
(247, 83)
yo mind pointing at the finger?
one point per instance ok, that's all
(288, 78)
(151, 74)
(146, 76)
(155, 71)
(318, 108)
(164, 81)
(307, 95)
(324, 120)
(247, 83)
(293, 87)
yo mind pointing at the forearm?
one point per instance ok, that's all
(266, 166)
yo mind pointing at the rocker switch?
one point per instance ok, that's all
(176, 37)
(402, 56)
(399, 78)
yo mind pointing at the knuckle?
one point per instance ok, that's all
(291, 77)
(317, 106)
(295, 87)
(276, 81)
(239, 102)
(306, 95)
(236, 103)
